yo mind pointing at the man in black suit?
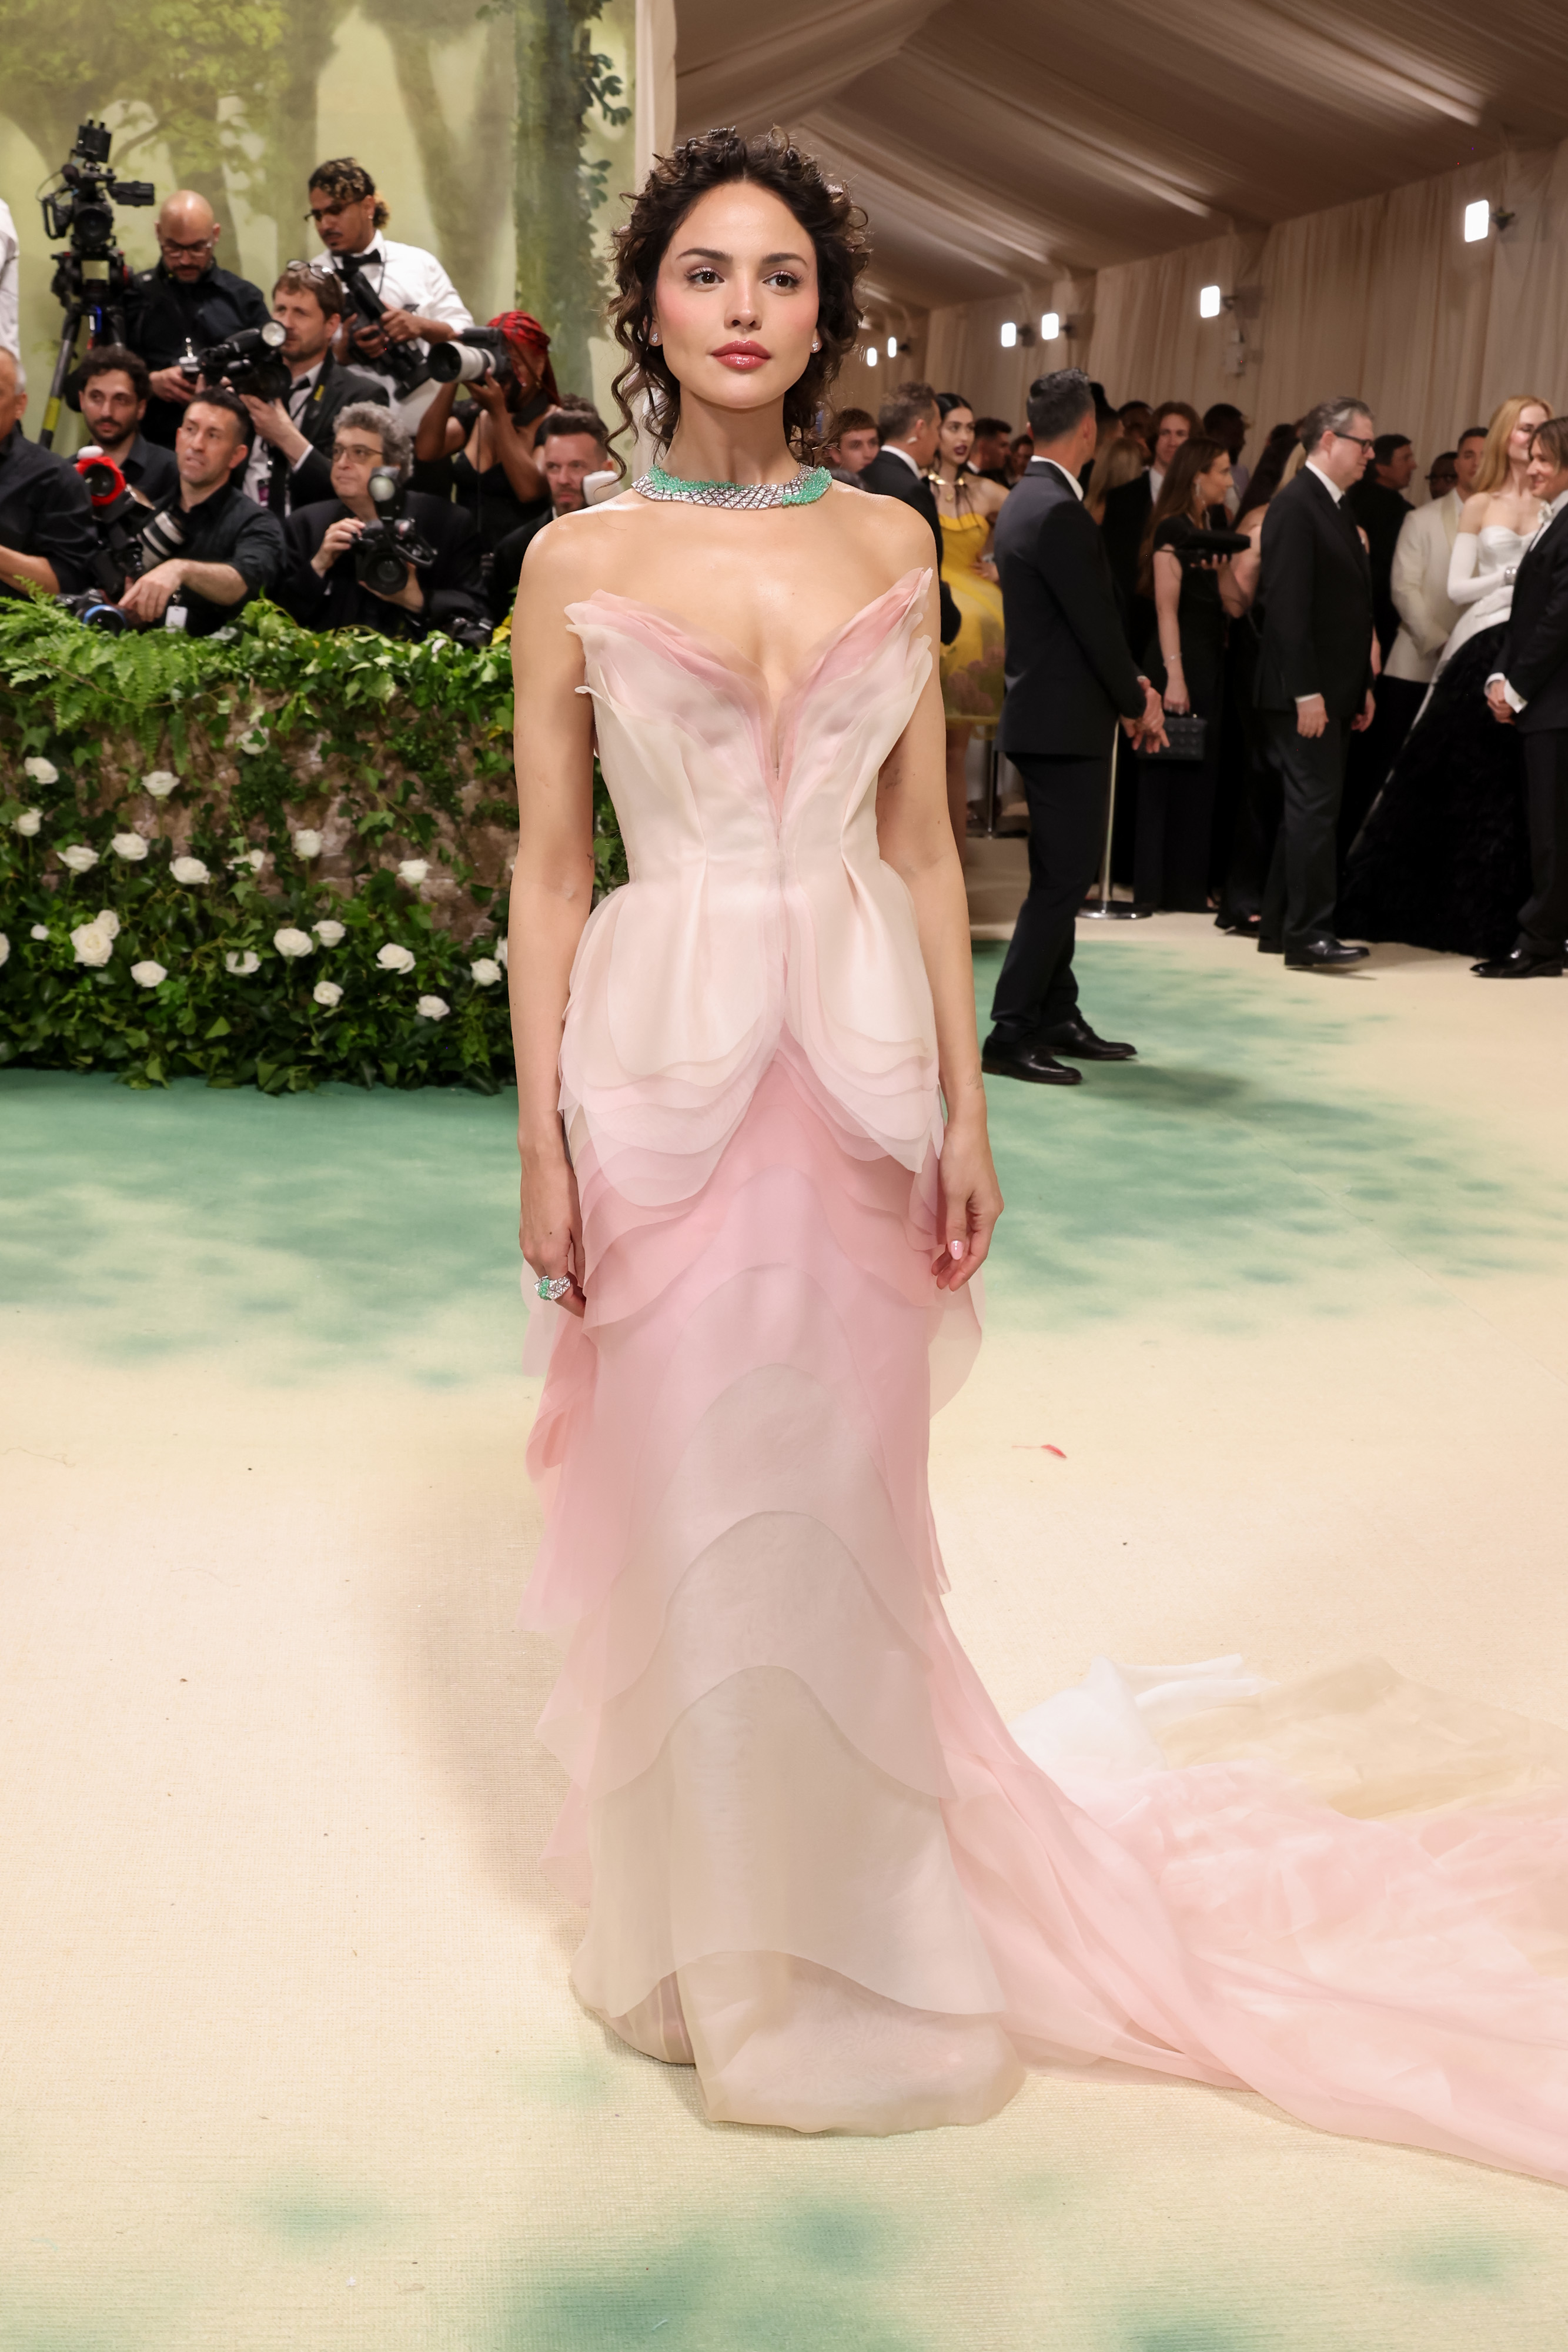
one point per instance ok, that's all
(1529, 690)
(908, 422)
(321, 588)
(1069, 678)
(184, 302)
(291, 461)
(1315, 670)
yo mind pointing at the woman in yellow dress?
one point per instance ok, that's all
(972, 664)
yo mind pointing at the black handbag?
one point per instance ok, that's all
(1185, 734)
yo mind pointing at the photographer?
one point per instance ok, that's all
(572, 443)
(222, 548)
(482, 453)
(420, 304)
(184, 299)
(322, 588)
(291, 463)
(46, 535)
(112, 387)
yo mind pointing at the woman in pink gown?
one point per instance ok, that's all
(816, 1863)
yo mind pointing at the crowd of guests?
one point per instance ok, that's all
(1308, 778)
(225, 494)
(1349, 760)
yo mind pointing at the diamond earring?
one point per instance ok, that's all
(653, 335)
(816, 342)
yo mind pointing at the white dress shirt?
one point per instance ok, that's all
(257, 479)
(1333, 488)
(1070, 478)
(9, 289)
(1549, 515)
(895, 451)
(408, 279)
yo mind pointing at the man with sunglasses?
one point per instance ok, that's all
(184, 299)
(422, 305)
(1315, 672)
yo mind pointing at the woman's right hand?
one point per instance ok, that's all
(551, 1226)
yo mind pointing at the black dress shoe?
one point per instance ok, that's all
(1245, 927)
(1269, 947)
(1031, 1063)
(1322, 955)
(1520, 965)
(1077, 1038)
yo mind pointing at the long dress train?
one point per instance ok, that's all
(816, 1863)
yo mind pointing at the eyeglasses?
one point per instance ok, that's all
(1358, 438)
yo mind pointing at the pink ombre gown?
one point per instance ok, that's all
(816, 1863)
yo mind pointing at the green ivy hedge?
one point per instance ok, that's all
(264, 858)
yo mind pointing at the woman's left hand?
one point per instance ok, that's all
(1177, 700)
(971, 1201)
(987, 568)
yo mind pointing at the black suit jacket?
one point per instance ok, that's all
(162, 314)
(1534, 657)
(1381, 513)
(310, 482)
(890, 477)
(453, 585)
(1069, 673)
(1315, 588)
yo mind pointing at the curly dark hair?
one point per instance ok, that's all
(834, 224)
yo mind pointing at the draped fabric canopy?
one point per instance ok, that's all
(1032, 139)
(1312, 161)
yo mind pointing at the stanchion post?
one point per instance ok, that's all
(1113, 910)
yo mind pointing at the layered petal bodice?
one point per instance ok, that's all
(759, 906)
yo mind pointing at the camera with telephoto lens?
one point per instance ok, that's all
(248, 362)
(386, 548)
(132, 538)
(480, 351)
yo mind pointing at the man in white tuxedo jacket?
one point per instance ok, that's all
(1419, 584)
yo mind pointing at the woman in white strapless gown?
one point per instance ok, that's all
(1443, 860)
(816, 1865)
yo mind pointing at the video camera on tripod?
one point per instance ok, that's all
(91, 275)
(407, 366)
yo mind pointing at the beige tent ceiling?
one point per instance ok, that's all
(999, 146)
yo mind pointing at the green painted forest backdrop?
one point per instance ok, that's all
(500, 135)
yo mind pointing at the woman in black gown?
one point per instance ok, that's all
(1185, 660)
(481, 454)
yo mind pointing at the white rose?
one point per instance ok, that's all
(43, 771)
(131, 846)
(242, 966)
(108, 922)
(39, 931)
(433, 1008)
(486, 972)
(328, 993)
(28, 824)
(254, 741)
(291, 942)
(148, 974)
(79, 857)
(501, 953)
(160, 783)
(412, 870)
(5, 948)
(307, 844)
(252, 860)
(329, 932)
(92, 943)
(392, 957)
(189, 869)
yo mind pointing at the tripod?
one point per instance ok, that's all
(92, 287)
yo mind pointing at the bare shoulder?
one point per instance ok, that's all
(890, 527)
(1475, 511)
(579, 552)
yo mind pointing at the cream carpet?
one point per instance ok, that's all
(288, 2057)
